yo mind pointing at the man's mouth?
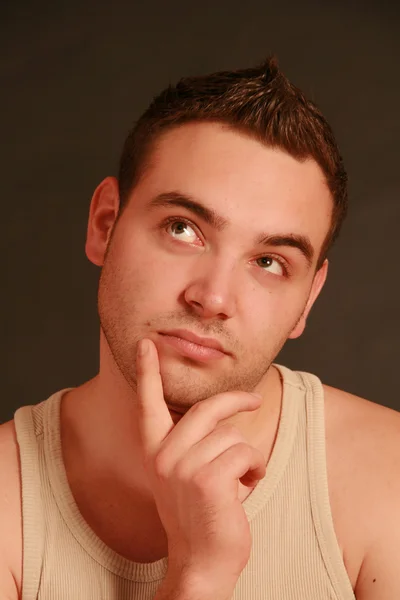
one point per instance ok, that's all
(193, 346)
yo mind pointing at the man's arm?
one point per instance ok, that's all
(10, 514)
(379, 576)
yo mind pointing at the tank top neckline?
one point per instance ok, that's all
(154, 571)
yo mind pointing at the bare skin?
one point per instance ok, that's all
(213, 281)
(361, 507)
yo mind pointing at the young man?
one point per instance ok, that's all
(192, 467)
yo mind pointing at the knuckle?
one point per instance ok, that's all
(242, 448)
(182, 472)
(161, 465)
(201, 480)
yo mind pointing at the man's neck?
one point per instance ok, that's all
(101, 450)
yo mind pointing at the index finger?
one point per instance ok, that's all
(154, 419)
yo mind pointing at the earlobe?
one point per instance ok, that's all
(298, 328)
(317, 285)
(103, 213)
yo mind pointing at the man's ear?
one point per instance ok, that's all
(103, 213)
(317, 285)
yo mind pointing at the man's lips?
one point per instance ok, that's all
(196, 339)
(193, 346)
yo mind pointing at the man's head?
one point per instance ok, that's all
(216, 227)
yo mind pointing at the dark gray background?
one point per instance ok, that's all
(74, 77)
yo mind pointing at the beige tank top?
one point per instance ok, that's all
(295, 553)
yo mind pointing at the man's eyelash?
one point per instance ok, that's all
(283, 263)
(170, 220)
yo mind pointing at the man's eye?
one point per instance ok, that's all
(271, 264)
(182, 231)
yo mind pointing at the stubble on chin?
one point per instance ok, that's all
(188, 387)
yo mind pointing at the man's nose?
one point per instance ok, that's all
(211, 292)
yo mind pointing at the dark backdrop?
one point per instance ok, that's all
(74, 77)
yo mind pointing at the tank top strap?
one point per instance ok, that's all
(318, 485)
(32, 516)
(292, 404)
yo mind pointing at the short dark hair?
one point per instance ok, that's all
(260, 102)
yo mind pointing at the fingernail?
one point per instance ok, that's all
(257, 395)
(143, 347)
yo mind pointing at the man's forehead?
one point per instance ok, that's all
(269, 186)
(212, 149)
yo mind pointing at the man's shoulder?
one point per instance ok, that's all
(363, 447)
(10, 512)
(366, 432)
(364, 425)
(342, 407)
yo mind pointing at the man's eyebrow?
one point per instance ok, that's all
(301, 242)
(182, 200)
(210, 216)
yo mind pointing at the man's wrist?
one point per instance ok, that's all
(191, 587)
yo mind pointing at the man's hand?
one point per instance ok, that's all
(194, 468)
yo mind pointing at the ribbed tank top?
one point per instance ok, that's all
(295, 553)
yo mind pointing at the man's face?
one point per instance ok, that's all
(169, 268)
